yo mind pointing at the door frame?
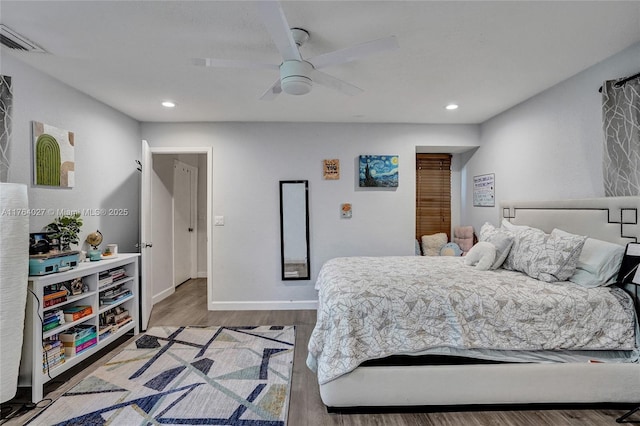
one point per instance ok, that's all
(208, 151)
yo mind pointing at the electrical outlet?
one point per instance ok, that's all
(218, 220)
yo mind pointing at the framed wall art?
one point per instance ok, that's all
(53, 156)
(331, 169)
(484, 190)
(378, 171)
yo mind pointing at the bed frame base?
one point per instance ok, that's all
(444, 385)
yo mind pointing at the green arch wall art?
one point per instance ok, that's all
(53, 151)
(47, 161)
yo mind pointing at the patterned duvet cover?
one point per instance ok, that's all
(373, 307)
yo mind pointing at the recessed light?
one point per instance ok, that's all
(168, 104)
(451, 107)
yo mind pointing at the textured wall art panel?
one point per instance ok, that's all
(621, 126)
(53, 156)
(6, 106)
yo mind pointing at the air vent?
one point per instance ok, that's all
(15, 41)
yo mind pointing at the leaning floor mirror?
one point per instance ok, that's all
(294, 229)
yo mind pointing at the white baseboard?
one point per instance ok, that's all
(271, 305)
(162, 295)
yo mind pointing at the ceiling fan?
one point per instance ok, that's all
(297, 74)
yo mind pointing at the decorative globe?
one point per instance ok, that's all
(94, 239)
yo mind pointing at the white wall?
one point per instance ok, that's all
(249, 160)
(107, 143)
(548, 147)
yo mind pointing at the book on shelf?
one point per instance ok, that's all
(115, 297)
(122, 322)
(52, 316)
(51, 326)
(50, 357)
(104, 330)
(54, 294)
(74, 313)
(81, 341)
(52, 352)
(75, 350)
(53, 302)
(50, 344)
(104, 278)
(117, 274)
(77, 332)
(46, 368)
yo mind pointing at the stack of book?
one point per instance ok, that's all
(52, 354)
(74, 313)
(78, 339)
(117, 274)
(52, 319)
(104, 278)
(113, 295)
(114, 318)
(54, 295)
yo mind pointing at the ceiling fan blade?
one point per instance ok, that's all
(272, 92)
(277, 25)
(232, 63)
(335, 83)
(354, 52)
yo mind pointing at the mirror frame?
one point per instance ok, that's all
(306, 207)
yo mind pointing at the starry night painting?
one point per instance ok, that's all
(379, 171)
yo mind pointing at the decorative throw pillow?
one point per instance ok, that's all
(500, 238)
(598, 263)
(547, 257)
(431, 244)
(451, 249)
(463, 237)
(482, 256)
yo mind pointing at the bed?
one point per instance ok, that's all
(571, 344)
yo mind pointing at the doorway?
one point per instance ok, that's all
(160, 195)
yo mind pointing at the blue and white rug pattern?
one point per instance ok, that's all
(187, 376)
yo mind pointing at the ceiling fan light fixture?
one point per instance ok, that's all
(294, 77)
(296, 85)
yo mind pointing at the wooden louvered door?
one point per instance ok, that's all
(433, 194)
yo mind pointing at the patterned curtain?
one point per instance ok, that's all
(621, 125)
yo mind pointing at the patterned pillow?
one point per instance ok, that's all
(500, 238)
(547, 257)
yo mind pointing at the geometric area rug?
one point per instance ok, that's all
(186, 376)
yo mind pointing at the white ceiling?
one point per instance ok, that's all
(486, 56)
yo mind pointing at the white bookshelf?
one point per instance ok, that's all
(31, 366)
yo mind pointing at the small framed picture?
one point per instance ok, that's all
(345, 211)
(331, 169)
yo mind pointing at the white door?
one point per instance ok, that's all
(184, 221)
(146, 270)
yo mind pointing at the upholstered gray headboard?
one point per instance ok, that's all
(613, 219)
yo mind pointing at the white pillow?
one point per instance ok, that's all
(500, 238)
(482, 255)
(431, 244)
(598, 263)
(513, 228)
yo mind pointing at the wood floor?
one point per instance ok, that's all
(188, 307)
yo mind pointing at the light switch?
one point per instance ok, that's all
(218, 220)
